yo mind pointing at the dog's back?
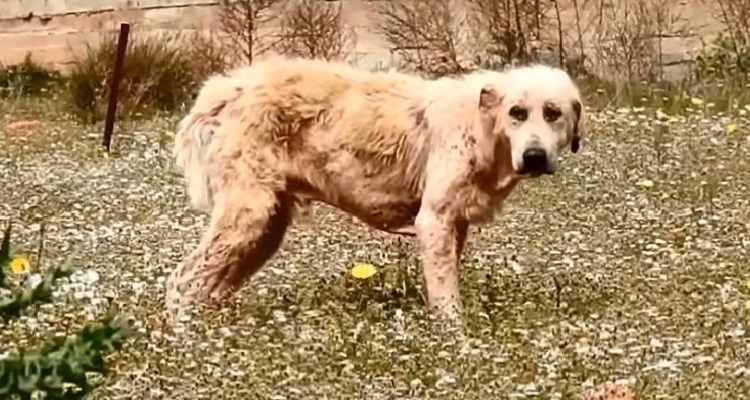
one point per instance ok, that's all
(286, 104)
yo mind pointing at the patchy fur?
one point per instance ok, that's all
(406, 155)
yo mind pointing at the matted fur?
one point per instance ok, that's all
(405, 155)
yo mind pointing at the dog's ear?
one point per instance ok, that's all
(575, 144)
(489, 98)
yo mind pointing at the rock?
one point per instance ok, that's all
(24, 125)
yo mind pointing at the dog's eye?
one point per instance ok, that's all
(552, 114)
(518, 113)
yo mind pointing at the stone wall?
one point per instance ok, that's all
(52, 29)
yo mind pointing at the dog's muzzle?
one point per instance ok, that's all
(536, 162)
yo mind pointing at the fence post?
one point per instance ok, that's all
(114, 85)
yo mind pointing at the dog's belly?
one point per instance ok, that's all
(388, 209)
(394, 217)
(376, 192)
(380, 211)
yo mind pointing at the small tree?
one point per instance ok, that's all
(209, 53)
(512, 27)
(314, 29)
(58, 369)
(241, 22)
(427, 35)
(630, 34)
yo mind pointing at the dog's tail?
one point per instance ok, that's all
(191, 141)
(195, 135)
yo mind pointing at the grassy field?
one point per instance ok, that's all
(629, 266)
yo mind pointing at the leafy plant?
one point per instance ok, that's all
(27, 78)
(159, 73)
(725, 59)
(59, 368)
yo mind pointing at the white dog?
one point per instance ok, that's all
(406, 155)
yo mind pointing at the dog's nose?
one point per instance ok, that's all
(535, 162)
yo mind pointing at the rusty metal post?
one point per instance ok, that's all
(114, 85)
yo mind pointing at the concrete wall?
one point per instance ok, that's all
(22, 8)
(52, 29)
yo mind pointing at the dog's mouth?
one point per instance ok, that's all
(531, 174)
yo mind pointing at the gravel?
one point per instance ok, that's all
(628, 266)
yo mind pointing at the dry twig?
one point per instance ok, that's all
(314, 29)
(241, 20)
(424, 34)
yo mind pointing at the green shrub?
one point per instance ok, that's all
(718, 80)
(159, 74)
(59, 368)
(27, 79)
(721, 73)
(724, 59)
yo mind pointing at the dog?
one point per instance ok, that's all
(404, 154)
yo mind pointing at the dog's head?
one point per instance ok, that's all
(539, 110)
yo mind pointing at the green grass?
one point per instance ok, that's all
(629, 265)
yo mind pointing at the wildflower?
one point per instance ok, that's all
(661, 114)
(363, 271)
(647, 183)
(696, 101)
(19, 265)
(732, 128)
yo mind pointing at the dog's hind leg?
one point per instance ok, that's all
(247, 227)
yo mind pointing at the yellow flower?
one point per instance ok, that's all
(19, 265)
(696, 101)
(732, 128)
(363, 271)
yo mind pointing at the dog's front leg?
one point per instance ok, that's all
(441, 239)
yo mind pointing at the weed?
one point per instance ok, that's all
(60, 367)
(27, 79)
(159, 75)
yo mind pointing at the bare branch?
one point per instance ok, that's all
(735, 14)
(560, 39)
(511, 26)
(425, 34)
(241, 20)
(209, 53)
(629, 38)
(314, 29)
